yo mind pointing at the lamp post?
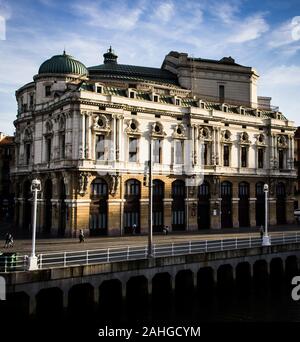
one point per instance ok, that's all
(32, 261)
(266, 239)
(150, 228)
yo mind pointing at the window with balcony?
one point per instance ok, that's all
(179, 152)
(133, 149)
(27, 153)
(226, 155)
(157, 151)
(100, 147)
(260, 158)
(244, 156)
(281, 159)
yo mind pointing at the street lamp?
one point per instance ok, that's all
(266, 239)
(32, 261)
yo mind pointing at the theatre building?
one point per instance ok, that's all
(85, 133)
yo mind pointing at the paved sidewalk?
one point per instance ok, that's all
(71, 244)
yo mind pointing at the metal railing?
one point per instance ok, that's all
(126, 253)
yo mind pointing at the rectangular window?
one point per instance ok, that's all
(48, 90)
(31, 101)
(155, 98)
(205, 154)
(132, 149)
(260, 157)
(62, 146)
(177, 102)
(179, 152)
(157, 151)
(221, 92)
(48, 156)
(226, 155)
(132, 95)
(244, 156)
(28, 154)
(100, 147)
(281, 159)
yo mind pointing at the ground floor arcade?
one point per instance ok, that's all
(113, 205)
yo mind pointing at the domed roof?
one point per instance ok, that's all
(63, 64)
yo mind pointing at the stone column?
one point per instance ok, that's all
(114, 223)
(144, 205)
(120, 152)
(82, 142)
(290, 218)
(252, 213)
(168, 212)
(235, 212)
(215, 216)
(272, 211)
(191, 214)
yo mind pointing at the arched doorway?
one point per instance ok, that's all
(27, 196)
(226, 205)
(48, 206)
(260, 204)
(63, 209)
(98, 208)
(244, 192)
(204, 206)
(158, 205)
(280, 203)
(132, 206)
(178, 205)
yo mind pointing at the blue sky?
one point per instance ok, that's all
(262, 34)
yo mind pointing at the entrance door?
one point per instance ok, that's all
(281, 203)
(226, 205)
(260, 204)
(178, 205)
(204, 206)
(244, 219)
(158, 205)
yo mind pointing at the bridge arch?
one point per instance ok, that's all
(49, 303)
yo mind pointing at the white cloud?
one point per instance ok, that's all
(164, 12)
(282, 84)
(116, 17)
(282, 75)
(252, 28)
(225, 11)
(286, 34)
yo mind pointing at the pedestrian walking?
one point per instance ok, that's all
(9, 241)
(81, 236)
(133, 229)
(261, 231)
(166, 230)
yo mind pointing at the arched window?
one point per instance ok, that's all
(158, 205)
(132, 187)
(99, 208)
(226, 189)
(99, 187)
(280, 190)
(203, 190)
(178, 205)
(244, 189)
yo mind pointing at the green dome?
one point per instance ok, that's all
(63, 64)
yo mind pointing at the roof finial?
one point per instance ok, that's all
(110, 56)
(64, 53)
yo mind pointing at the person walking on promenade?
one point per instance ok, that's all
(81, 236)
(9, 241)
(261, 231)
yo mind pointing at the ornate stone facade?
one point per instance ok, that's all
(87, 138)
